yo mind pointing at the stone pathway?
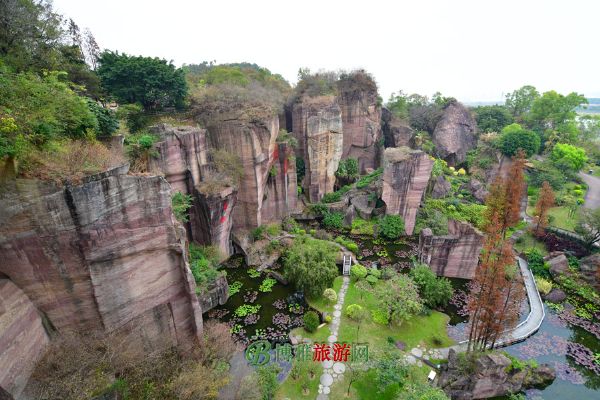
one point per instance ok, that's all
(333, 371)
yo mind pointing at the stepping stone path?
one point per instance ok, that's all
(333, 371)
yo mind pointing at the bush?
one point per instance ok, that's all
(380, 317)
(311, 321)
(374, 272)
(368, 179)
(544, 286)
(391, 226)
(372, 279)
(514, 137)
(348, 168)
(333, 220)
(435, 292)
(330, 295)
(347, 243)
(181, 203)
(258, 233)
(353, 310)
(331, 197)
(537, 265)
(290, 225)
(357, 272)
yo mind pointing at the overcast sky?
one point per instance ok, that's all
(474, 50)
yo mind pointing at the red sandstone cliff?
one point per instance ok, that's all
(406, 173)
(106, 255)
(455, 134)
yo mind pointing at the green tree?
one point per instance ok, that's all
(152, 82)
(267, 379)
(435, 292)
(552, 110)
(310, 265)
(566, 156)
(588, 226)
(514, 137)
(492, 118)
(391, 368)
(399, 298)
(519, 102)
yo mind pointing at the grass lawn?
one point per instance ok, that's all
(292, 389)
(559, 216)
(427, 330)
(528, 241)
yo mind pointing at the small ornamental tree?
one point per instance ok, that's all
(588, 226)
(514, 137)
(330, 295)
(399, 298)
(434, 291)
(542, 206)
(358, 272)
(569, 157)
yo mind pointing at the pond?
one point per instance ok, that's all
(281, 308)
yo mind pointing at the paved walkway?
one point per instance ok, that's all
(333, 371)
(525, 328)
(592, 197)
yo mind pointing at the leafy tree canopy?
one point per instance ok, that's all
(519, 101)
(514, 137)
(152, 82)
(566, 156)
(493, 118)
(552, 110)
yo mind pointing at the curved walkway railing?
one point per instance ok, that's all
(526, 328)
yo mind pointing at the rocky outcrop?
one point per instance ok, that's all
(454, 255)
(22, 339)
(267, 190)
(217, 294)
(558, 263)
(490, 375)
(318, 129)
(182, 156)
(589, 268)
(455, 134)
(103, 256)
(441, 188)
(555, 296)
(396, 133)
(406, 173)
(361, 120)
(477, 190)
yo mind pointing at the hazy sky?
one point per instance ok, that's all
(472, 50)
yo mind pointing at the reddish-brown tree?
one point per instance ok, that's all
(544, 203)
(515, 189)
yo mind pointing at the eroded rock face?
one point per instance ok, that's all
(455, 134)
(267, 191)
(361, 122)
(590, 270)
(441, 188)
(183, 158)
(455, 255)
(216, 295)
(106, 256)
(490, 377)
(559, 264)
(396, 133)
(406, 173)
(318, 129)
(22, 339)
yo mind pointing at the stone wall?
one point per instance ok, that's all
(106, 255)
(455, 255)
(406, 173)
(22, 339)
(318, 129)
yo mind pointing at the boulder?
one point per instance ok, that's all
(490, 376)
(455, 255)
(406, 173)
(478, 190)
(455, 134)
(217, 294)
(349, 216)
(317, 124)
(559, 264)
(441, 188)
(555, 296)
(396, 133)
(589, 268)
(362, 206)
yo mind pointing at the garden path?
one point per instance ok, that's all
(592, 197)
(333, 371)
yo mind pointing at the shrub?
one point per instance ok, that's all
(434, 291)
(372, 279)
(330, 295)
(333, 220)
(347, 243)
(353, 310)
(537, 265)
(258, 233)
(311, 321)
(347, 168)
(514, 137)
(391, 226)
(374, 272)
(368, 179)
(380, 317)
(357, 272)
(181, 203)
(328, 319)
(290, 225)
(544, 286)
(331, 197)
